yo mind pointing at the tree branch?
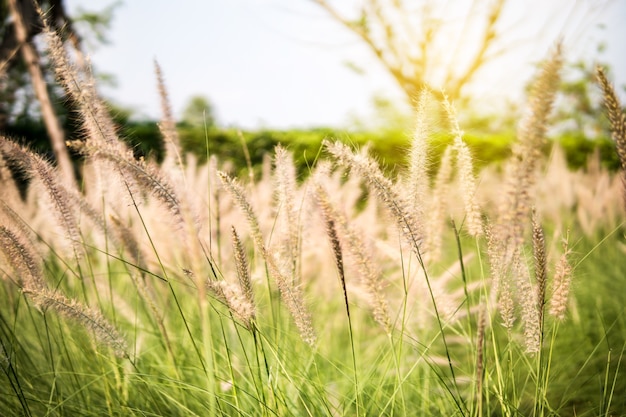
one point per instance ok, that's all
(480, 58)
(51, 121)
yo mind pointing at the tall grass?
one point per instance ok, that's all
(181, 290)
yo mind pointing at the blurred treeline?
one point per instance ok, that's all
(389, 145)
(579, 125)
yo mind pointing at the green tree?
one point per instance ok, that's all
(199, 112)
(28, 91)
(440, 44)
(407, 37)
(581, 108)
(580, 116)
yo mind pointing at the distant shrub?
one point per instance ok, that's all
(389, 146)
(578, 149)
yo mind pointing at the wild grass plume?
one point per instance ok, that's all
(522, 167)
(617, 118)
(290, 292)
(561, 284)
(369, 274)
(541, 265)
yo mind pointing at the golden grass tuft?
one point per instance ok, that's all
(89, 318)
(561, 284)
(369, 273)
(59, 197)
(522, 169)
(437, 211)
(541, 265)
(465, 168)
(291, 294)
(168, 124)
(20, 253)
(406, 221)
(618, 122)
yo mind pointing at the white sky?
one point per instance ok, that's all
(282, 63)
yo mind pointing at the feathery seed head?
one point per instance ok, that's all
(238, 194)
(58, 195)
(241, 263)
(147, 176)
(521, 170)
(506, 304)
(615, 115)
(382, 186)
(167, 125)
(438, 208)
(285, 185)
(90, 319)
(236, 300)
(618, 122)
(80, 85)
(528, 302)
(561, 284)
(369, 274)
(501, 287)
(417, 182)
(465, 167)
(541, 274)
(22, 256)
(291, 294)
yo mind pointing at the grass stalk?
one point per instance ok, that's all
(609, 400)
(336, 248)
(169, 284)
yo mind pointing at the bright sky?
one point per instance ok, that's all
(283, 63)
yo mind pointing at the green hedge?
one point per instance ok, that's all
(578, 149)
(390, 148)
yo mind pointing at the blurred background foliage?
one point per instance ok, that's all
(388, 142)
(579, 125)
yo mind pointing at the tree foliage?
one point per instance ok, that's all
(199, 112)
(17, 100)
(29, 94)
(412, 38)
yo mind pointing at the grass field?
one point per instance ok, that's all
(177, 289)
